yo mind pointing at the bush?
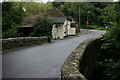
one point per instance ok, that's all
(42, 27)
(88, 26)
(12, 14)
(92, 27)
(113, 35)
(111, 69)
(109, 57)
(100, 28)
(10, 33)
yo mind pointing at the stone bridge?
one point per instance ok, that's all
(44, 61)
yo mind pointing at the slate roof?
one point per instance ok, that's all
(55, 15)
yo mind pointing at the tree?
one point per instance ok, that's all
(109, 56)
(57, 4)
(33, 10)
(12, 14)
(109, 14)
(72, 9)
(100, 12)
(42, 27)
(20, 13)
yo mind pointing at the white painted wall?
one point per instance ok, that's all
(58, 32)
(70, 31)
(63, 30)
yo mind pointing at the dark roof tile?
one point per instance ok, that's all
(55, 13)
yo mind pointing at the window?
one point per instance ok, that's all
(73, 25)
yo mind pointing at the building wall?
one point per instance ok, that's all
(63, 30)
(11, 43)
(58, 32)
(71, 31)
(81, 64)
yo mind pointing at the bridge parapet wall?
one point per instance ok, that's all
(11, 43)
(80, 65)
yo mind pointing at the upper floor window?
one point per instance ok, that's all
(72, 25)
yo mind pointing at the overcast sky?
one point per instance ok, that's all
(60, 0)
(28, 0)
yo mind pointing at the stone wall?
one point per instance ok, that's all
(11, 43)
(88, 62)
(80, 64)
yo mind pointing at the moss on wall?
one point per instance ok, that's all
(11, 43)
(80, 65)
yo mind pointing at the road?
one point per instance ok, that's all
(44, 61)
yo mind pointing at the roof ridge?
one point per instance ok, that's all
(56, 10)
(60, 12)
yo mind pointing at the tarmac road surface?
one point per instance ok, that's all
(44, 61)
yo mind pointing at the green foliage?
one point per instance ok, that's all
(11, 32)
(11, 16)
(109, 57)
(72, 9)
(57, 4)
(89, 27)
(33, 10)
(113, 35)
(111, 69)
(100, 28)
(20, 13)
(42, 27)
(92, 27)
(100, 13)
(109, 14)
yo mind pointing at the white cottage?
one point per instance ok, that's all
(64, 26)
(58, 31)
(70, 25)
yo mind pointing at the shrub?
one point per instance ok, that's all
(113, 35)
(42, 27)
(92, 27)
(100, 28)
(10, 32)
(12, 14)
(109, 57)
(111, 69)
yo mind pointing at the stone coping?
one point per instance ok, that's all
(11, 43)
(70, 68)
(22, 38)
